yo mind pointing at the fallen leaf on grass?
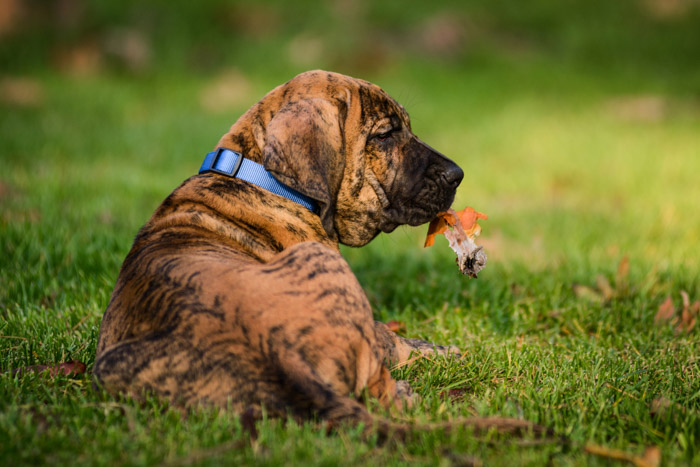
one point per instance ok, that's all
(661, 405)
(71, 368)
(605, 288)
(689, 314)
(651, 457)
(623, 271)
(604, 291)
(396, 326)
(588, 293)
(453, 394)
(665, 311)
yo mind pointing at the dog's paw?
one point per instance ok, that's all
(405, 395)
(451, 351)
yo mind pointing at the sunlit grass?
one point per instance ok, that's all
(571, 183)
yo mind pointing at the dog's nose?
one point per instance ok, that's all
(453, 175)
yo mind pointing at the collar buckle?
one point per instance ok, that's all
(222, 161)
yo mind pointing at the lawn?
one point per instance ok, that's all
(586, 162)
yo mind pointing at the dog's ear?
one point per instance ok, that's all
(303, 149)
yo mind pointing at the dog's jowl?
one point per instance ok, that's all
(235, 294)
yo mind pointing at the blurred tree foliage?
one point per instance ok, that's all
(660, 37)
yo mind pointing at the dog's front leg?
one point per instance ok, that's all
(398, 349)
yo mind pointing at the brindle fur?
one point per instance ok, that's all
(237, 297)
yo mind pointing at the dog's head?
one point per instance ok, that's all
(347, 144)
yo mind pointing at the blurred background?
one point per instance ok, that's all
(577, 122)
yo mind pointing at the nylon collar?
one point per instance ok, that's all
(233, 164)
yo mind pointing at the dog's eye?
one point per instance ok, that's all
(384, 136)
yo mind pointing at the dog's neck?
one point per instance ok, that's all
(234, 212)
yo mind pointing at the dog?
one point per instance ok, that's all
(235, 294)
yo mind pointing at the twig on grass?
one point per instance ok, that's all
(651, 457)
(14, 337)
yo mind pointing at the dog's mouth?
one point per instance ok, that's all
(421, 204)
(425, 186)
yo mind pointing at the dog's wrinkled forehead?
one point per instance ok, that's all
(374, 102)
(377, 104)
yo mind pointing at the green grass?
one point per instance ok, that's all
(573, 171)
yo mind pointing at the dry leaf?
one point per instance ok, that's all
(651, 458)
(460, 236)
(454, 394)
(588, 293)
(689, 314)
(71, 368)
(623, 271)
(439, 225)
(686, 299)
(605, 287)
(468, 217)
(603, 290)
(665, 312)
(660, 405)
(396, 326)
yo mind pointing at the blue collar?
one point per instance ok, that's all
(233, 164)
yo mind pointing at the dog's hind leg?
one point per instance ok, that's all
(309, 394)
(182, 370)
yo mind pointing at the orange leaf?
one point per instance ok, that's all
(623, 270)
(439, 225)
(589, 293)
(460, 237)
(468, 217)
(665, 312)
(396, 326)
(71, 368)
(651, 458)
(689, 314)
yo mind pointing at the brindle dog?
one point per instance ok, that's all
(234, 296)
